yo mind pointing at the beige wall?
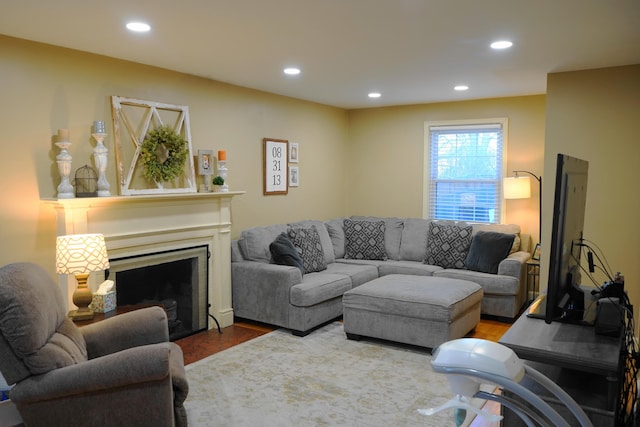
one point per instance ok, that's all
(386, 154)
(44, 88)
(595, 115)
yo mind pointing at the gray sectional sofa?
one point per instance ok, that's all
(289, 297)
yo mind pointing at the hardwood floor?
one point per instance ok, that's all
(206, 343)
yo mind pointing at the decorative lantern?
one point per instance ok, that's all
(86, 181)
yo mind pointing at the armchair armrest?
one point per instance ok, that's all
(135, 328)
(514, 264)
(136, 365)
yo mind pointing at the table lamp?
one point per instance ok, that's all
(80, 254)
(519, 187)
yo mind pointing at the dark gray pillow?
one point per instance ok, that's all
(487, 249)
(307, 243)
(284, 253)
(447, 245)
(364, 240)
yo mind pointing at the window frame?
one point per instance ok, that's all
(428, 125)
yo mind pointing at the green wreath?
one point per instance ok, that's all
(163, 153)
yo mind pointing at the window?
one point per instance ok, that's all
(464, 166)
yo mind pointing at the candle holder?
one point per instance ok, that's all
(100, 159)
(222, 171)
(65, 189)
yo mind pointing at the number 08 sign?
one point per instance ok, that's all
(275, 166)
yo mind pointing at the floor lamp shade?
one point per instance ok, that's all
(517, 187)
(80, 254)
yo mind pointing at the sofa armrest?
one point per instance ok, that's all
(514, 264)
(135, 328)
(261, 290)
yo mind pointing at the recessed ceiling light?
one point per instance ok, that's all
(461, 88)
(292, 71)
(375, 95)
(501, 44)
(138, 27)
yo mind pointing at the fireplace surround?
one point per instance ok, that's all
(146, 224)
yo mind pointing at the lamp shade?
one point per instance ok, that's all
(81, 253)
(517, 187)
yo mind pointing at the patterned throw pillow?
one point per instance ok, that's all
(307, 243)
(364, 240)
(447, 245)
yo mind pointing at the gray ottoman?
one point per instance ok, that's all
(419, 310)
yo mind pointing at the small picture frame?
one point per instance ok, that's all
(536, 252)
(294, 152)
(294, 176)
(205, 162)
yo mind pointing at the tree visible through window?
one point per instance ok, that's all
(464, 166)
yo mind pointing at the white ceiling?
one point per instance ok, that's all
(412, 51)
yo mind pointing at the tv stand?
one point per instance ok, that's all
(567, 350)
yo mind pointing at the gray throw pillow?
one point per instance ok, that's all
(284, 253)
(447, 245)
(307, 243)
(487, 249)
(364, 240)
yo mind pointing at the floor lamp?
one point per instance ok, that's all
(519, 187)
(80, 254)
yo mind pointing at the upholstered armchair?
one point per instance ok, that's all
(116, 372)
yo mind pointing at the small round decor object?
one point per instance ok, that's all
(163, 153)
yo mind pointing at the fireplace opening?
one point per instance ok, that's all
(175, 280)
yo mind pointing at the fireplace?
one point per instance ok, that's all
(138, 226)
(175, 280)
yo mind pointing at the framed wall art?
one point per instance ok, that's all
(294, 176)
(205, 162)
(294, 152)
(276, 180)
(153, 147)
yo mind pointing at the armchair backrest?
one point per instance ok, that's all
(35, 334)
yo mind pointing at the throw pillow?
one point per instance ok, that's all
(284, 253)
(307, 243)
(487, 249)
(447, 245)
(364, 240)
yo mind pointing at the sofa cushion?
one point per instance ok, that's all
(284, 253)
(448, 244)
(413, 246)
(364, 239)
(307, 243)
(487, 249)
(317, 288)
(254, 242)
(335, 228)
(406, 267)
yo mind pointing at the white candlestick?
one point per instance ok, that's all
(100, 158)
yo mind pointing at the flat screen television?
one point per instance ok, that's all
(564, 300)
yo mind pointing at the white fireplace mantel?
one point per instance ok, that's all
(137, 225)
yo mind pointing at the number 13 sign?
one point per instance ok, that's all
(275, 166)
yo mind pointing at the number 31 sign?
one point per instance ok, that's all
(275, 166)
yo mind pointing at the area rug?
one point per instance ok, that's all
(322, 379)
